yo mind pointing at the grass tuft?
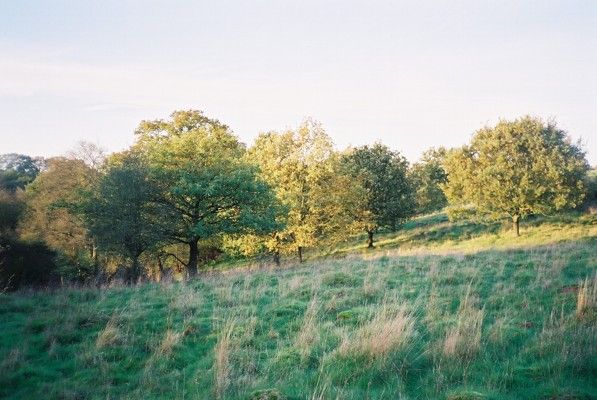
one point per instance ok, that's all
(309, 332)
(109, 336)
(388, 331)
(464, 339)
(222, 367)
(586, 300)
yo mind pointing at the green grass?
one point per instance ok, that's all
(440, 310)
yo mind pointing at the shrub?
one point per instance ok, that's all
(26, 264)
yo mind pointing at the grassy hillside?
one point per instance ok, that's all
(440, 310)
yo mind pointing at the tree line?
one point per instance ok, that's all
(188, 191)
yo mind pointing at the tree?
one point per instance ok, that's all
(515, 169)
(21, 263)
(590, 201)
(427, 176)
(204, 186)
(120, 213)
(384, 175)
(18, 170)
(309, 181)
(52, 213)
(12, 206)
(338, 203)
(90, 153)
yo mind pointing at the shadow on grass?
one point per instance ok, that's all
(427, 230)
(436, 230)
(424, 221)
(453, 232)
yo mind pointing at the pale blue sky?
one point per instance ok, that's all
(412, 74)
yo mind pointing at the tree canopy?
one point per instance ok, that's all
(203, 185)
(53, 208)
(384, 175)
(18, 170)
(302, 168)
(515, 169)
(189, 191)
(427, 176)
(123, 194)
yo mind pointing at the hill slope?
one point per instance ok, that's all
(440, 310)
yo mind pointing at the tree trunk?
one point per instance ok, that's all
(94, 258)
(516, 224)
(370, 240)
(134, 272)
(93, 253)
(277, 258)
(193, 257)
(160, 269)
(300, 254)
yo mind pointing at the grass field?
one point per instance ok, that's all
(438, 311)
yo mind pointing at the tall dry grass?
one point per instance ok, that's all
(222, 364)
(168, 343)
(464, 339)
(109, 335)
(586, 299)
(389, 330)
(309, 332)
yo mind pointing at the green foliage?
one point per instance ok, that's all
(310, 181)
(591, 184)
(12, 206)
(516, 169)
(339, 279)
(123, 194)
(384, 176)
(427, 176)
(54, 202)
(18, 170)
(189, 186)
(203, 186)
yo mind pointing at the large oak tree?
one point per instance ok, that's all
(515, 169)
(203, 185)
(389, 193)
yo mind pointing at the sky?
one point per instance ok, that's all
(412, 74)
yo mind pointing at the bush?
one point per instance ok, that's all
(80, 268)
(26, 264)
